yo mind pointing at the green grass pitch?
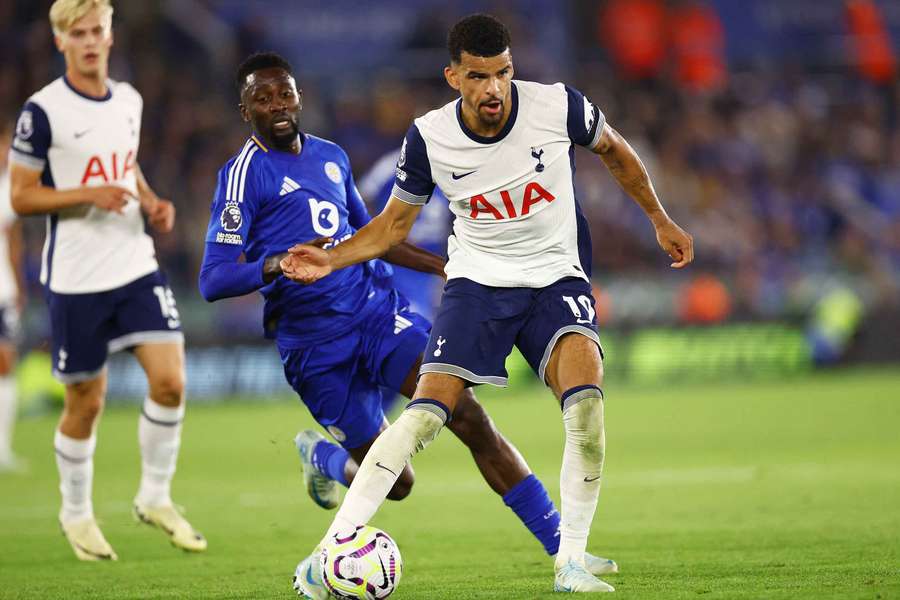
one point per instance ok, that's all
(785, 489)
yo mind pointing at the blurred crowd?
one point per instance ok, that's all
(788, 177)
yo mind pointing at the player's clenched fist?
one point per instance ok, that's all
(306, 263)
(678, 243)
(111, 197)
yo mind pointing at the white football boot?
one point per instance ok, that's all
(167, 518)
(597, 565)
(323, 490)
(308, 579)
(574, 578)
(87, 540)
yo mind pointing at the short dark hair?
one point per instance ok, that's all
(257, 62)
(479, 35)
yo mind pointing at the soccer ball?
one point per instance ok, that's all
(361, 565)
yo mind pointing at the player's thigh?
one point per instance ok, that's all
(333, 383)
(560, 339)
(163, 364)
(81, 326)
(575, 361)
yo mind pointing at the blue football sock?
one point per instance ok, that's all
(532, 504)
(330, 459)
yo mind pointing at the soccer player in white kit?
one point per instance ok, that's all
(12, 301)
(518, 269)
(74, 159)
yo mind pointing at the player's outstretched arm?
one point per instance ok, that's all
(626, 166)
(30, 197)
(307, 264)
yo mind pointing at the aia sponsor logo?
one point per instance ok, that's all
(109, 169)
(505, 207)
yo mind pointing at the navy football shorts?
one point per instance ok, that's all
(340, 381)
(86, 328)
(477, 326)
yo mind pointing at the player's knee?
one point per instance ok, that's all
(167, 389)
(584, 427)
(84, 401)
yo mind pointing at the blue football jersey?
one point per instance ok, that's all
(267, 201)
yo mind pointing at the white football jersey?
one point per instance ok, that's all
(77, 140)
(518, 223)
(8, 286)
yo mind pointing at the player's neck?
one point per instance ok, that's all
(89, 85)
(476, 126)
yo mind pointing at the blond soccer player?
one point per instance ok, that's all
(74, 159)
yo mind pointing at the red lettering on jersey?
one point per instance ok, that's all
(533, 194)
(128, 164)
(529, 199)
(488, 207)
(94, 169)
(507, 202)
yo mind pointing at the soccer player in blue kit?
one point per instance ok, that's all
(345, 336)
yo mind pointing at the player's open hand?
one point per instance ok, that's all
(162, 216)
(307, 263)
(111, 197)
(676, 242)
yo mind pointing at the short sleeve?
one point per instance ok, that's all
(33, 137)
(584, 121)
(413, 183)
(231, 212)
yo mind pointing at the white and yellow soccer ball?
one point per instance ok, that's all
(364, 564)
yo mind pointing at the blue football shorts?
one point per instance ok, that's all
(340, 381)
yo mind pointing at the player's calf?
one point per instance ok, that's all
(581, 469)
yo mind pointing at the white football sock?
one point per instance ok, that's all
(416, 427)
(579, 479)
(7, 416)
(75, 461)
(159, 435)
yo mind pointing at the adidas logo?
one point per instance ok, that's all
(288, 186)
(401, 323)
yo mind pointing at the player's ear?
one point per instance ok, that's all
(300, 98)
(451, 76)
(60, 44)
(245, 114)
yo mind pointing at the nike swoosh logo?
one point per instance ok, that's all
(378, 464)
(309, 578)
(455, 176)
(79, 134)
(586, 480)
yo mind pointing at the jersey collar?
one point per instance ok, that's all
(513, 113)
(275, 151)
(102, 98)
